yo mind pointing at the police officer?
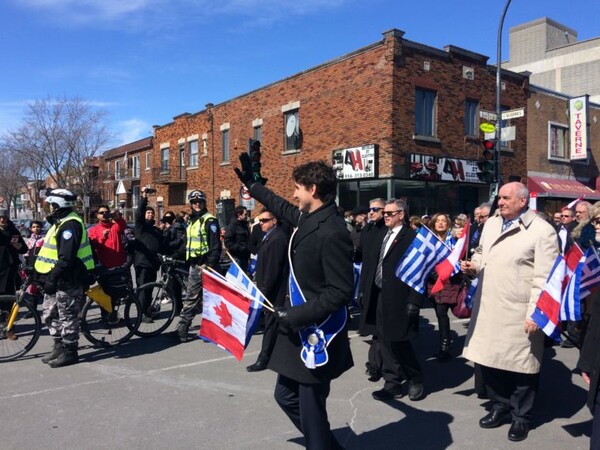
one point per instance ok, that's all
(203, 249)
(63, 265)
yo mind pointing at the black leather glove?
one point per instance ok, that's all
(245, 175)
(50, 287)
(281, 314)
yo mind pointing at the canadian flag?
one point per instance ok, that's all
(224, 314)
(451, 265)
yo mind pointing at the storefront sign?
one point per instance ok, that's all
(354, 163)
(578, 112)
(434, 168)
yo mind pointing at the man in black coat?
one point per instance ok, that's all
(370, 241)
(397, 311)
(148, 243)
(321, 258)
(236, 237)
(272, 272)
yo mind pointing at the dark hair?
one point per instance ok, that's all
(320, 175)
(149, 208)
(168, 217)
(239, 210)
(102, 206)
(36, 222)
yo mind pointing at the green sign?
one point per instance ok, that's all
(487, 127)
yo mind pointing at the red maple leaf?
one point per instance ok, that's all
(224, 314)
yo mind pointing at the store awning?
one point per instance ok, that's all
(560, 188)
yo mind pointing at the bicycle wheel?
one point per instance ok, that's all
(25, 330)
(109, 329)
(161, 310)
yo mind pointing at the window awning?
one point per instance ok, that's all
(560, 188)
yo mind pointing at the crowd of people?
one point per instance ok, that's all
(337, 261)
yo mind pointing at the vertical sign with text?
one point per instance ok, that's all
(578, 114)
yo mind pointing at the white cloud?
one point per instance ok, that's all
(131, 130)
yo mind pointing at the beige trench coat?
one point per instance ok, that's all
(512, 268)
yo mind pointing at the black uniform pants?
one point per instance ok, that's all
(269, 336)
(511, 391)
(145, 275)
(595, 439)
(305, 405)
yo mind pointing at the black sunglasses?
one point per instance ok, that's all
(391, 213)
(104, 212)
(265, 220)
(375, 209)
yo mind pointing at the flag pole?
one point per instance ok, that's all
(212, 271)
(240, 269)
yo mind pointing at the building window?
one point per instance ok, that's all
(257, 133)
(225, 145)
(558, 141)
(193, 153)
(147, 160)
(471, 108)
(425, 111)
(108, 167)
(291, 130)
(164, 159)
(135, 166)
(117, 170)
(135, 195)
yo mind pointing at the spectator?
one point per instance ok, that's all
(415, 222)
(236, 237)
(106, 238)
(11, 246)
(174, 246)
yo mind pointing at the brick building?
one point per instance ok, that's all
(398, 118)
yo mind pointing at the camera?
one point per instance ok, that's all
(149, 190)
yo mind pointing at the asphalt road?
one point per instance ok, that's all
(155, 394)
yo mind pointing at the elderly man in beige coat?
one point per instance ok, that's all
(513, 260)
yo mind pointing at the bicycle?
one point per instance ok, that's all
(20, 323)
(163, 306)
(112, 312)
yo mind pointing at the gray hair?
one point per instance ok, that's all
(377, 200)
(400, 204)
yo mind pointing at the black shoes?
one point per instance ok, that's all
(66, 357)
(415, 391)
(494, 419)
(258, 366)
(518, 431)
(385, 395)
(181, 333)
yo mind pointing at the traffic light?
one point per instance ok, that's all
(487, 164)
(254, 152)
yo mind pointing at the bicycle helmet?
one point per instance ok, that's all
(61, 198)
(196, 195)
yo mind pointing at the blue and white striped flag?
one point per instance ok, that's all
(236, 276)
(585, 279)
(424, 253)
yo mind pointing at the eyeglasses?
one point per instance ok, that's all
(595, 221)
(375, 209)
(265, 220)
(566, 215)
(103, 212)
(391, 213)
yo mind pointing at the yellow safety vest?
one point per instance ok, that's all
(197, 238)
(48, 255)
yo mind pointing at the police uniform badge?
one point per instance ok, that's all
(67, 234)
(213, 227)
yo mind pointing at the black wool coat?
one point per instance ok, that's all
(322, 261)
(272, 268)
(371, 238)
(395, 294)
(589, 358)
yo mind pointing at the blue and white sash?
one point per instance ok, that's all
(315, 338)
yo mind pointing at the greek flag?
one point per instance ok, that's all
(424, 253)
(585, 279)
(236, 276)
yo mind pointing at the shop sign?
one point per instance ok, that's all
(434, 168)
(578, 113)
(353, 163)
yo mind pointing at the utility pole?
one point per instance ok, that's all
(497, 177)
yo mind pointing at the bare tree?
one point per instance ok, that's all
(12, 179)
(59, 137)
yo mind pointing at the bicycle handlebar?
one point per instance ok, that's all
(168, 260)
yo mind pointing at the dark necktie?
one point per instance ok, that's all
(379, 271)
(506, 225)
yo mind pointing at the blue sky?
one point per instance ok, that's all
(145, 61)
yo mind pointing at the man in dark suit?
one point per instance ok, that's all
(567, 223)
(272, 271)
(398, 307)
(321, 258)
(370, 242)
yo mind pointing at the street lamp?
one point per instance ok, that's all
(498, 95)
